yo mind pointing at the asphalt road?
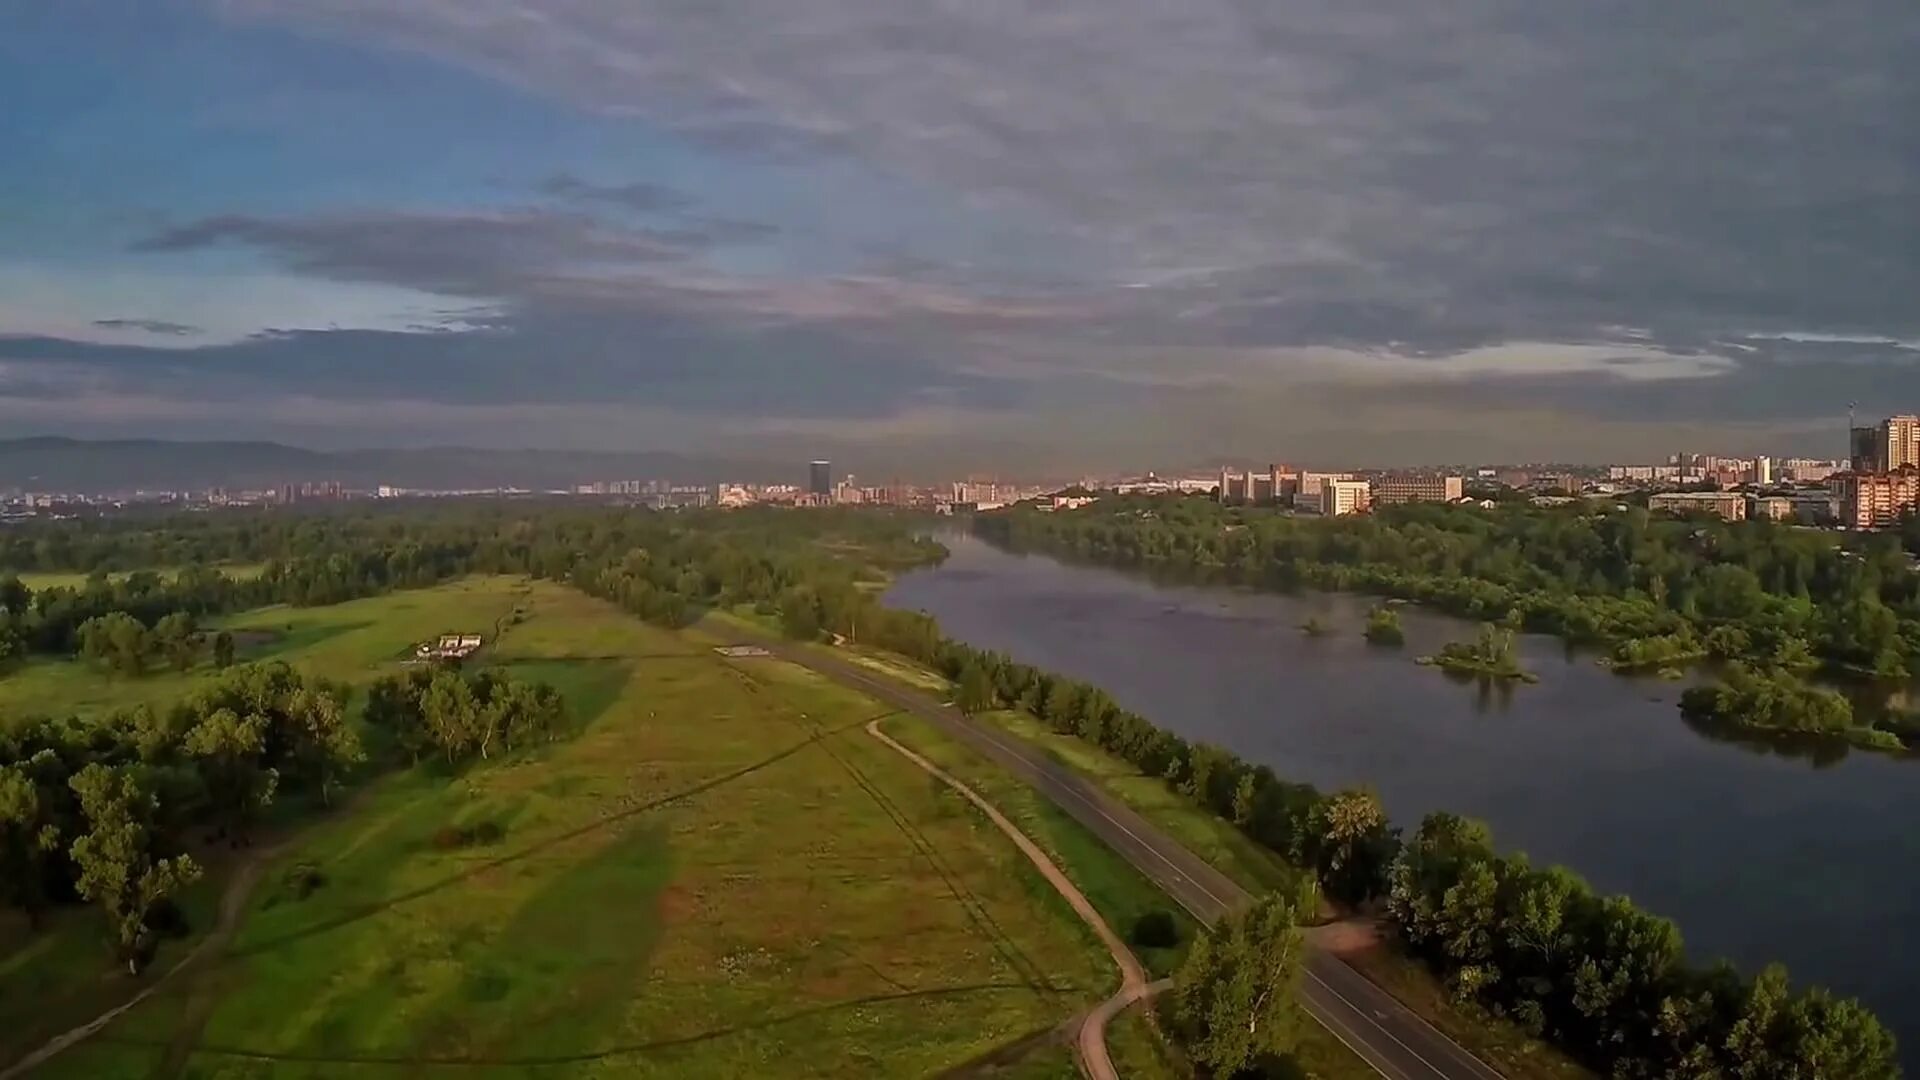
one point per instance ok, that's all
(1396, 1042)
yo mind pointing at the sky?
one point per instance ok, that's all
(964, 235)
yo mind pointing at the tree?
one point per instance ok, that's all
(223, 649)
(450, 715)
(28, 836)
(973, 691)
(1383, 627)
(1234, 995)
(1350, 830)
(117, 866)
(230, 748)
(175, 636)
(323, 744)
(117, 639)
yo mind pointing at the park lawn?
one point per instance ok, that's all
(352, 642)
(74, 579)
(722, 875)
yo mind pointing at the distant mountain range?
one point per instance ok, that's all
(97, 466)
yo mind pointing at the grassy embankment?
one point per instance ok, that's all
(722, 875)
(1257, 869)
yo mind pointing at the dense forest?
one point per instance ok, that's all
(1594, 974)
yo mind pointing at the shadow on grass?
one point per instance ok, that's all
(473, 870)
(584, 1056)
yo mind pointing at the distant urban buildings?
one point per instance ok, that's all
(1882, 482)
(1876, 500)
(1331, 496)
(1892, 444)
(1729, 505)
(1424, 487)
(1276, 485)
(820, 479)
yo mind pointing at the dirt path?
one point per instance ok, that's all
(233, 904)
(1090, 1041)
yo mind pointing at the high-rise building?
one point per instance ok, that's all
(1898, 442)
(1875, 500)
(1864, 450)
(820, 479)
(1763, 470)
(1428, 487)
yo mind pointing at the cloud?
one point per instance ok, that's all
(151, 326)
(635, 195)
(1115, 226)
(1433, 175)
(483, 253)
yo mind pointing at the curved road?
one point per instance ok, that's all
(1090, 1040)
(1376, 1026)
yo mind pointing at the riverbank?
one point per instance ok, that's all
(1585, 768)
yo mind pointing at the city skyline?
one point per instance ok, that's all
(960, 238)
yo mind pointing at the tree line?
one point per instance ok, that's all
(1655, 593)
(659, 565)
(1591, 574)
(459, 715)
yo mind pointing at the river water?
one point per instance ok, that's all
(1756, 855)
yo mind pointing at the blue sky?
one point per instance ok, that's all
(953, 236)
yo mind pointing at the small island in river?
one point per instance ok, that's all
(1488, 656)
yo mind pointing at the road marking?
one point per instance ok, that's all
(1326, 1018)
(1311, 974)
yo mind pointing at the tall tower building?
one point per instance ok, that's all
(1899, 442)
(1865, 450)
(820, 479)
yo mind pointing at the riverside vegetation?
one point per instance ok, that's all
(1488, 656)
(1649, 592)
(1595, 975)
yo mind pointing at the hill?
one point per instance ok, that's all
(96, 466)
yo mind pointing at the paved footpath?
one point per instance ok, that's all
(1375, 1025)
(1090, 1039)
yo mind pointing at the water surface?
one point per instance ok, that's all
(1756, 855)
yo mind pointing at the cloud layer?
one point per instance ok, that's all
(1168, 222)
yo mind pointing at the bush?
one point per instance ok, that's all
(1156, 930)
(302, 880)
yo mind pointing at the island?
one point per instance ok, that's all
(1488, 656)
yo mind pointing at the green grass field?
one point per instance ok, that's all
(63, 579)
(721, 875)
(352, 642)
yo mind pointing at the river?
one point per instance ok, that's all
(1756, 855)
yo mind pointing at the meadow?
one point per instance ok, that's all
(353, 642)
(66, 579)
(721, 874)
